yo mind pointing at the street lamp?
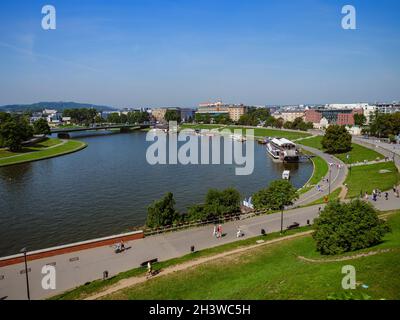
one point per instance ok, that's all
(282, 207)
(24, 251)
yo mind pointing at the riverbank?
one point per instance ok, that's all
(258, 132)
(49, 148)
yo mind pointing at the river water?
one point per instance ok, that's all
(106, 188)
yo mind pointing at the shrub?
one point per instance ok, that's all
(344, 227)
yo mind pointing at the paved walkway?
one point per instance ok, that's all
(337, 178)
(92, 262)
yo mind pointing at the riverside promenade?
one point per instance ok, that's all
(76, 268)
(79, 267)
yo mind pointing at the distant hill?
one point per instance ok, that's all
(59, 106)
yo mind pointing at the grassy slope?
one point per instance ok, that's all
(357, 154)
(36, 147)
(320, 170)
(275, 272)
(366, 178)
(68, 147)
(95, 286)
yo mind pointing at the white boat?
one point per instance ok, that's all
(283, 150)
(286, 175)
(238, 137)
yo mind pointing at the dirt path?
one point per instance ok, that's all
(125, 283)
(353, 257)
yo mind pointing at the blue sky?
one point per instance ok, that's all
(179, 53)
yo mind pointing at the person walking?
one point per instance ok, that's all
(215, 231)
(220, 231)
(386, 196)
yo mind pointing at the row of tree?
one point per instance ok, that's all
(340, 227)
(131, 117)
(15, 129)
(218, 204)
(384, 125)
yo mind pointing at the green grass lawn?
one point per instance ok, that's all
(320, 170)
(40, 152)
(333, 196)
(357, 154)
(49, 142)
(258, 132)
(366, 178)
(275, 272)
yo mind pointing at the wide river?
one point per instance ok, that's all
(105, 189)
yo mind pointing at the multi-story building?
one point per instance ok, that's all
(218, 108)
(159, 114)
(290, 115)
(333, 116)
(236, 111)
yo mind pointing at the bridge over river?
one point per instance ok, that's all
(64, 132)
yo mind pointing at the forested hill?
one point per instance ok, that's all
(59, 106)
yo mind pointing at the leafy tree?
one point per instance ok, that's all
(336, 139)
(280, 193)
(99, 119)
(81, 116)
(114, 118)
(15, 131)
(41, 127)
(344, 227)
(217, 204)
(360, 120)
(137, 117)
(172, 115)
(162, 212)
(383, 125)
(254, 116)
(288, 125)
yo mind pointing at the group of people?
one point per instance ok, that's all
(376, 193)
(217, 231)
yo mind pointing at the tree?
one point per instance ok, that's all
(217, 204)
(344, 227)
(280, 193)
(14, 131)
(336, 139)
(172, 115)
(162, 212)
(359, 119)
(114, 118)
(41, 127)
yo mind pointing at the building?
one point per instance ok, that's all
(218, 108)
(159, 114)
(290, 115)
(388, 107)
(236, 111)
(333, 116)
(187, 114)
